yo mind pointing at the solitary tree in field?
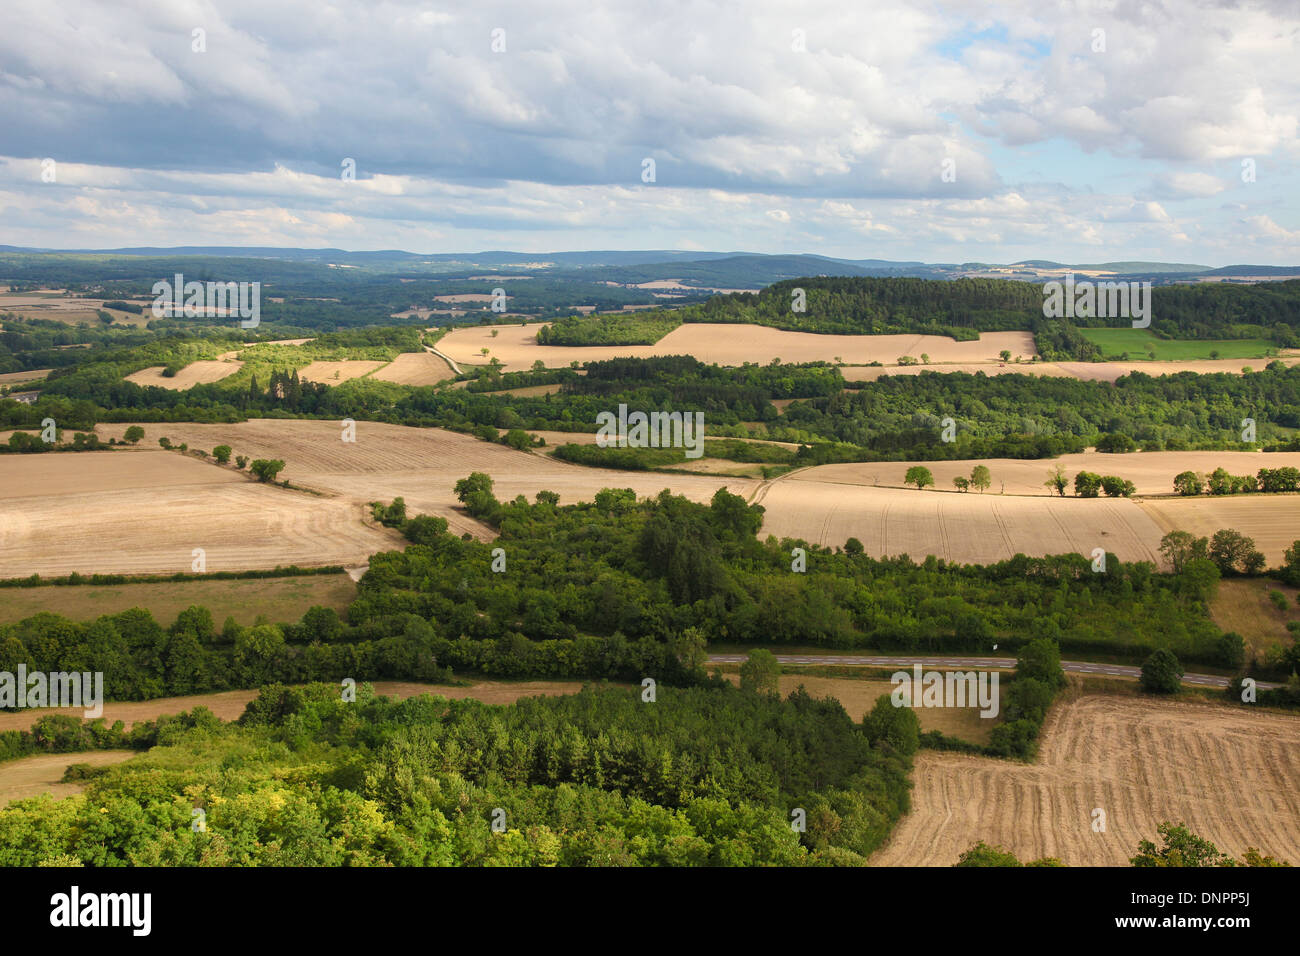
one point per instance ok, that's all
(134, 434)
(962, 483)
(222, 453)
(980, 477)
(1005, 355)
(919, 475)
(266, 469)
(1056, 479)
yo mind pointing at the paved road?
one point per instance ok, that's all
(996, 663)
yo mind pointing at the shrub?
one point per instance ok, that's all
(1161, 673)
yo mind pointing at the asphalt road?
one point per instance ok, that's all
(996, 663)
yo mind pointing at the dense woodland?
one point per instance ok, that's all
(712, 775)
(962, 309)
(893, 418)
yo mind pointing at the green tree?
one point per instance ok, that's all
(1056, 480)
(222, 454)
(1161, 673)
(1232, 552)
(1087, 484)
(981, 854)
(266, 468)
(918, 475)
(133, 434)
(1179, 547)
(1040, 660)
(898, 727)
(518, 439)
(1181, 847)
(1188, 483)
(981, 478)
(761, 672)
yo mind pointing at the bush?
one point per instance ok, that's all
(518, 439)
(1161, 673)
(222, 453)
(896, 726)
(266, 469)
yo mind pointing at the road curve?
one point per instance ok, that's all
(995, 663)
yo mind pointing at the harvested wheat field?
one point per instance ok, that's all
(1152, 471)
(1229, 774)
(196, 373)
(32, 375)
(969, 528)
(1088, 371)
(42, 773)
(146, 510)
(1272, 520)
(869, 373)
(332, 373)
(421, 465)
(725, 344)
(415, 368)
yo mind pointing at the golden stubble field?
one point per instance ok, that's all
(1088, 371)
(144, 511)
(1152, 471)
(968, 528)
(730, 344)
(421, 465)
(1272, 520)
(415, 368)
(1228, 774)
(203, 372)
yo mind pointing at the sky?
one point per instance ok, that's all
(937, 131)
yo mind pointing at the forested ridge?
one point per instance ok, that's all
(697, 777)
(895, 417)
